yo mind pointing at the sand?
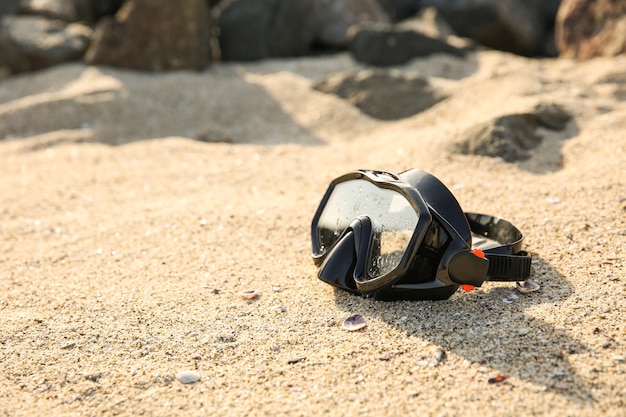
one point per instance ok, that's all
(125, 244)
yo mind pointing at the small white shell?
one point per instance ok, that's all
(354, 322)
(250, 294)
(527, 286)
(188, 377)
(510, 299)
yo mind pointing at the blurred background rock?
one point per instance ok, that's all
(158, 35)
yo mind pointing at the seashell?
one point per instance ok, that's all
(188, 377)
(510, 299)
(250, 294)
(527, 286)
(354, 322)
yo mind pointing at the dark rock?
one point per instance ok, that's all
(336, 16)
(67, 10)
(102, 8)
(154, 35)
(256, 29)
(547, 11)
(510, 137)
(399, 10)
(386, 45)
(30, 43)
(8, 7)
(383, 94)
(508, 25)
(591, 28)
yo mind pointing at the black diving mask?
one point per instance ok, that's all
(404, 236)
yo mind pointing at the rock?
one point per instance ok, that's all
(508, 25)
(154, 35)
(8, 7)
(67, 10)
(399, 10)
(591, 28)
(102, 8)
(546, 11)
(387, 45)
(336, 16)
(383, 94)
(31, 43)
(256, 29)
(510, 137)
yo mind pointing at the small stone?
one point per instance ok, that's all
(440, 356)
(188, 377)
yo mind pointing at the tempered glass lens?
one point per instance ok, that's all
(392, 215)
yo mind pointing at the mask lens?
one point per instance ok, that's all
(392, 215)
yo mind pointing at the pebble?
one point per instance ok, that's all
(188, 377)
(439, 355)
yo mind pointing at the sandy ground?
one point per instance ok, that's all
(125, 244)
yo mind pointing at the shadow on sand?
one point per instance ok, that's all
(483, 329)
(214, 106)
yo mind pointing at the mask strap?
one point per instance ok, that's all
(501, 243)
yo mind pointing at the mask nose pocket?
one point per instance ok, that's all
(347, 259)
(338, 267)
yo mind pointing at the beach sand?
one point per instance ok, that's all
(125, 244)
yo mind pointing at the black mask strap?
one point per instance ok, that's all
(501, 242)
